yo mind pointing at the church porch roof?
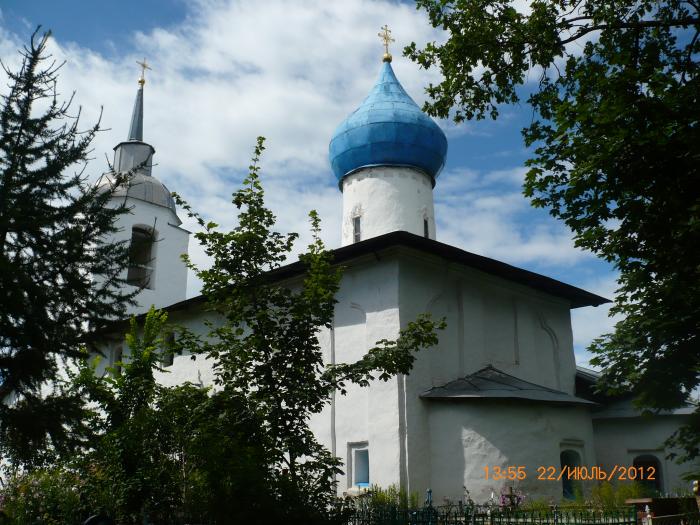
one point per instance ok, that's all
(492, 383)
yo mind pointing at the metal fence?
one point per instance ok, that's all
(475, 515)
(676, 519)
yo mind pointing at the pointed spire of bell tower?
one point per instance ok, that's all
(136, 128)
(134, 152)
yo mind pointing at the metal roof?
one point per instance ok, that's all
(143, 187)
(375, 245)
(388, 129)
(136, 156)
(136, 128)
(491, 383)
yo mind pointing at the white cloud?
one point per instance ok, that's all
(291, 71)
(486, 213)
(232, 71)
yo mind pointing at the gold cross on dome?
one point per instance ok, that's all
(385, 35)
(144, 66)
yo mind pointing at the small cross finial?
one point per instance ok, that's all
(144, 66)
(385, 35)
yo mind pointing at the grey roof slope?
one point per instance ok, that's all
(374, 245)
(136, 128)
(491, 383)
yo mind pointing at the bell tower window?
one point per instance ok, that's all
(356, 232)
(426, 229)
(141, 257)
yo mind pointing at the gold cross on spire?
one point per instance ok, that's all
(144, 67)
(385, 35)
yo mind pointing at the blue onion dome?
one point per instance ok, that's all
(388, 129)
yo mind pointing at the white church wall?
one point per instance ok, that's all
(619, 440)
(408, 444)
(489, 321)
(170, 274)
(387, 199)
(367, 311)
(468, 436)
(184, 368)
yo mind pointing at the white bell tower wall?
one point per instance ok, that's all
(167, 282)
(383, 199)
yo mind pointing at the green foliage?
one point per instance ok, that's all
(267, 349)
(48, 496)
(616, 145)
(536, 505)
(160, 452)
(58, 275)
(393, 496)
(609, 496)
(242, 449)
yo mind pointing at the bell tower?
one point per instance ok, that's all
(151, 228)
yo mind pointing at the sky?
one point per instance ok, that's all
(227, 71)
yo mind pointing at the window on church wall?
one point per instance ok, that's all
(141, 257)
(358, 464)
(569, 458)
(167, 352)
(356, 232)
(426, 229)
(169, 349)
(117, 356)
(361, 469)
(649, 466)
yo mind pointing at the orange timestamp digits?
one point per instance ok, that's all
(584, 473)
(511, 473)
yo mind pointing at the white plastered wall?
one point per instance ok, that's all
(387, 199)
(619, 440)
(490, 321)
(367, 311)
(468, 436)
(170, 274)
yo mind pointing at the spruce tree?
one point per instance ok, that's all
(59, 274)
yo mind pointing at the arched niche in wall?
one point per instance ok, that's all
(349, 332)
(648, 471)
(449, 363)
(554, 356)
(571, 459)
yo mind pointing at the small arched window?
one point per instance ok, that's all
(141, 257)
(569, 458)
(648, 471)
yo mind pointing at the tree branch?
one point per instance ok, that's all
(681, 22)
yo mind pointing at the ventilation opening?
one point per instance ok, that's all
(141, 257)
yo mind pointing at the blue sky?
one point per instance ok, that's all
(225, 71)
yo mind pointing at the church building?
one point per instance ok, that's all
(501, 389)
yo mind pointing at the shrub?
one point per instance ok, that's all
(49, 497)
